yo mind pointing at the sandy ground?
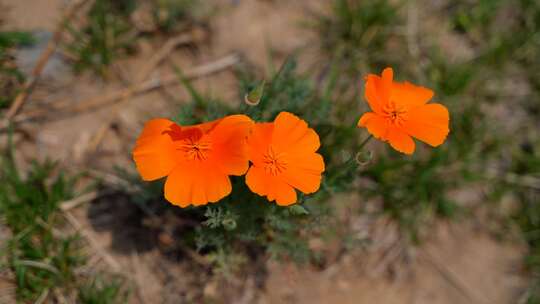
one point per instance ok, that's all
(458, 264)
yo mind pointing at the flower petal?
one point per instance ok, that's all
(386, 84)
(400, 141)
(284, 194)
(270, 186)
(196, 183)
(377, 125)
(258, 181)
(428, 123)
(371, 94)
(304, 172)
(229, 148)
(205, 127)
(292, 134)
(378, 89)
(155, 155)
(259, 140)
(409, 95)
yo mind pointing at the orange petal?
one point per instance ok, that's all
(378, 89)
(371, 94)
(206, 126)
(229, 148)
(196, 183)
(258, 181)
(292, 134)
(400, 140)
(284, 194)
(259, 140)
(154, 154)
(428, 123)
(270, 186)
(386, 83)
(409, 95)
(304, 172)
(377, 125)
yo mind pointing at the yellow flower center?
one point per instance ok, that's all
(273, 162)
(195, 149)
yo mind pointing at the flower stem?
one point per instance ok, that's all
(365, 142)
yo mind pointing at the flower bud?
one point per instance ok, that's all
(254, 96)
(298, 210)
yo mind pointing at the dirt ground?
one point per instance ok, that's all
(459, 263)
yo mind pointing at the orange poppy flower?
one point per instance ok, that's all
(197, 160)
(284, 158)
(401, 111)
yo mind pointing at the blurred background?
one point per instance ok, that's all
(455, 224)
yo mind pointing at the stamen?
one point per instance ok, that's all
(397, 115)
(195, 149)
(272, 162)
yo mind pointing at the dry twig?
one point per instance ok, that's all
(528, 181)
(151, 64)
(454, 279)
(43, 297)
(160, 55)
(37, 264)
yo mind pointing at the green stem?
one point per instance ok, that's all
(365, 142)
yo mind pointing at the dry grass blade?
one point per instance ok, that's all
(37, 264)
(160, 55)
(454, 280)
(157, 82)
(42, 297)
(70, 204)
(141, 88)
(59, 296)
(115, 266)
(43, 59)
(153, 63)
(515, 179)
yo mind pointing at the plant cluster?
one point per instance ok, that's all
(244, 223)
(357, 35)
(504, 51)
(43, 257)
(109, 31)
(177, 16)
(11, 77)
(105, 36)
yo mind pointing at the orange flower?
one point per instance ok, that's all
(400, 110)
(284, 157)
(197, 160)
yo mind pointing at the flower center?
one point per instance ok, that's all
(273, 164)
(396, 114)
(195, 149)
